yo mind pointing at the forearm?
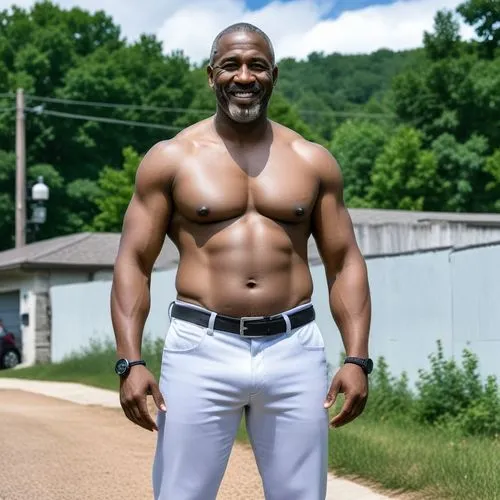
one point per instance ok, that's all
(350, 304)
(130, 302)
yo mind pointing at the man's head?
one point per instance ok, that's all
(242, 71)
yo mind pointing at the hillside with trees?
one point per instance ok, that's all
(414, 129)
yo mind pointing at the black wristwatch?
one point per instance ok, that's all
(365, 363)
(122, 366)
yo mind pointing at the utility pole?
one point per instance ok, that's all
(20, 171)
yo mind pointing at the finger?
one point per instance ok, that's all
(132, 413)
(345, 413)
(158, 397)
(332, 394)
(132, 409)
(145, 418)
(128, 413)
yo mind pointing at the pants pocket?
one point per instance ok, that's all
(310, 338)
(183, 336)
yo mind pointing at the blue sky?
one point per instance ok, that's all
(339, 7)
(296, 27)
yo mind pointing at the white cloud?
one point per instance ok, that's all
(296, 28)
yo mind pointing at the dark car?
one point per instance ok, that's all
(10, 355)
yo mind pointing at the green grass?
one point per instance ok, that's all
(414, 457)
(399, 455)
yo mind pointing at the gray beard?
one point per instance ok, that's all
(244, 114)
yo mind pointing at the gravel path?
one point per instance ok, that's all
(79, 445)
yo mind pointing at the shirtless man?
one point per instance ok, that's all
(240, 195)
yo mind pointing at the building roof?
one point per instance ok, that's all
(97, 251)
(377, 216)
(92, 251)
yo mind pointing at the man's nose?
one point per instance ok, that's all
(244, 75)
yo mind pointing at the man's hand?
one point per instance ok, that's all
(352, 381)
(134, 389)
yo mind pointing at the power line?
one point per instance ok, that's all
(102, 119)
(116, 105)
(143, 107)
(193, 110)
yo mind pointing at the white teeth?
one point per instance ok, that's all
(243, 94)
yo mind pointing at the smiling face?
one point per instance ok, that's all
(243, 74)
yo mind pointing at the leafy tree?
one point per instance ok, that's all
(492, 168)
(404, 174)
(443, 99)
(485, 16)
(356, 145)
(461, 176)
(444, 43)
(116, 188)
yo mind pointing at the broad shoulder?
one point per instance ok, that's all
(162, 161)
(320, 161)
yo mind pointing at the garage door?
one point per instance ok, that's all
(9, 312)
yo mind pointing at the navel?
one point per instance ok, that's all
(203, 211)
(251, 283)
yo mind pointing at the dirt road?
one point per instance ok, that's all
(52, 449)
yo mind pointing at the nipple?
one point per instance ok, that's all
(202, 211)
(299, 211)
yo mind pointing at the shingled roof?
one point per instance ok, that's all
(92, 251)
(97, 251)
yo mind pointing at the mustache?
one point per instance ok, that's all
(254, 87)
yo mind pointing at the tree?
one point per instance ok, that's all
(461, 173)
(445, 41)
(356, 145)
(492, 168)
(116, 188)
(404, 175)
(484, 15)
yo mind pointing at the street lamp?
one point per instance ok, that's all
(39, 195)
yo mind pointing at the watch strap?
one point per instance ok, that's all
(365, 363)
(138, 362)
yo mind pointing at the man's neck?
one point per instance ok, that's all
(242, 134)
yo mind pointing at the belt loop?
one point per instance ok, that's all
(170, 310)
(211, 323)
(288, 323)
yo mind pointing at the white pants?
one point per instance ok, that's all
(208, 378)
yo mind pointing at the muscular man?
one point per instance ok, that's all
(240, 195)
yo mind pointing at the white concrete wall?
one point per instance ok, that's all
(417, 299)
(81, 313)
(395, 238)
(29, 283)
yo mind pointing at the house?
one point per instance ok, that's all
(27, 273)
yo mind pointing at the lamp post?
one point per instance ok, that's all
(39, 195)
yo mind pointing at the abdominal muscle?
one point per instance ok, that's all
(248, 267)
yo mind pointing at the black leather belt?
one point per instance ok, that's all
(248, 326)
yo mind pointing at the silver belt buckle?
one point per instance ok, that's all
(249, 319)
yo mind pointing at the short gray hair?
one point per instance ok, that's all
(245, 27)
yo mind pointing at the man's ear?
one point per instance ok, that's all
(275, 75)
(210, 74)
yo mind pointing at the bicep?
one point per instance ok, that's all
(146, 219)
(144, 228)
(332, 227)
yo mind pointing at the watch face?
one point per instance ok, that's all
(369, 365)
(121, 366)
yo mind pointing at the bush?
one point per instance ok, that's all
(448, 395)
(389, 396)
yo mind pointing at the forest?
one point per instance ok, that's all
(417, 129)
